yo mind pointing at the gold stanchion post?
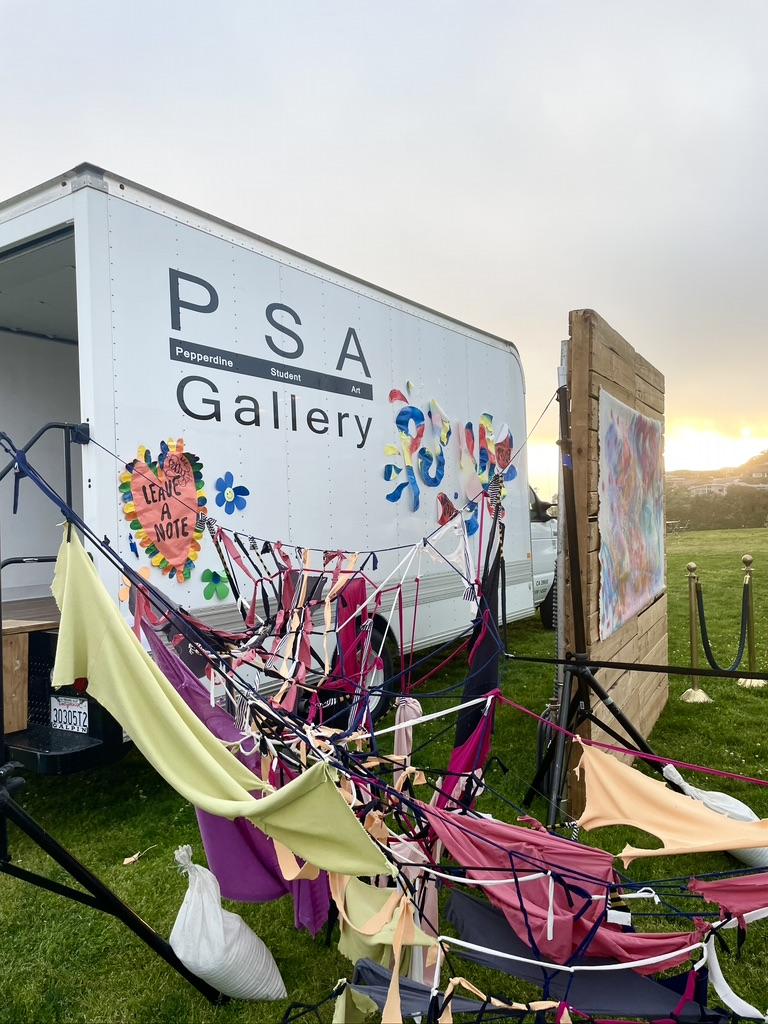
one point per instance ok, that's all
(694, 695)
(750, 684)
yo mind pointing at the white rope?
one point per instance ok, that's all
(749, 917)
(551, 909)
(723, 989)
(431, 717)
(647, 962)
(395, 599)
(406, 558)
(642, 894)
(410, 554)
(394, 605)
(483, 882)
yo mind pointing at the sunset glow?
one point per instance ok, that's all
(542, 467)
(687, 446)
(703, 447)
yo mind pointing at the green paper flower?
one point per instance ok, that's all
(215, 585)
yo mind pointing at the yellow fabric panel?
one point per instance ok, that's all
(361, 904)
(309, 815)
(95, 642)
(353, 1007)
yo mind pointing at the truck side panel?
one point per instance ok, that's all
(311, 449)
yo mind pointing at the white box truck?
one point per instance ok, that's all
(316, 409)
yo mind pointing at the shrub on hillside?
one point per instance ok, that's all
(741, 507)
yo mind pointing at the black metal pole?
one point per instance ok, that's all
(636, 737)
(68, 475)
(577, 604)
(108, 900)
(559, 742)
(547, 758)
(101, 896)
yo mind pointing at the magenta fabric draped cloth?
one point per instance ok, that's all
(736, 896)
(579, 872)
(469, 756)
(350, 637)
(241, 857)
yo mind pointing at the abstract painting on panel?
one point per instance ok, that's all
(631, 512)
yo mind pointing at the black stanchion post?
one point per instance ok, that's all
(103, 897)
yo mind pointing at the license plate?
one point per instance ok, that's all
(69, 714)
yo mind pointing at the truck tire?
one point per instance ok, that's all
(548, 607)
(380, 703)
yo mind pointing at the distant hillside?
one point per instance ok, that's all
(733, 497)
(754, 472)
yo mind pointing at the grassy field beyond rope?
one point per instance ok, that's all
(65, 962)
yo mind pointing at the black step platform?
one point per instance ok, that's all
(49, 751)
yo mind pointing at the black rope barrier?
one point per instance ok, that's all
(705, 641)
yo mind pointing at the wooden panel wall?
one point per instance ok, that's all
(598, 357)
(15, 676)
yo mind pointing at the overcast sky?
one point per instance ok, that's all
(501, 161)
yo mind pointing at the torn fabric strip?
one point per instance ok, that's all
(617, 794)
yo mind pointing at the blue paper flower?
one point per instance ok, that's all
(228, 496)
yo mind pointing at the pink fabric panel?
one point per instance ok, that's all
(735, 896)
(482, 843)
(408, 709)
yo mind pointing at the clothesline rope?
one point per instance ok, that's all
(327, 751)
(631, 752)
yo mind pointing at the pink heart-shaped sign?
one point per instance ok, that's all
(163, 502)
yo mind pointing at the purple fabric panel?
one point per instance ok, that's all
(242, 858)
(195, 694)
(244, 861)
(233, 852)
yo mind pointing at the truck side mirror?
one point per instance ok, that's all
(539, 509)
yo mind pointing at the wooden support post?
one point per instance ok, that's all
(16, 677)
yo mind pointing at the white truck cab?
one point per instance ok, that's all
(544, 556)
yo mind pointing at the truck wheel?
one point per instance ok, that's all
(380, 703)
(548, 607)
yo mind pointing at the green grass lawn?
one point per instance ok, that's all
(64, 962)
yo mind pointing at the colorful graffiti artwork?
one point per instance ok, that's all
(163, 501)
(630, 514)
(424, 443)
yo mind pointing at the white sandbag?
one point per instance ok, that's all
(723, 804)
(218, 946)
